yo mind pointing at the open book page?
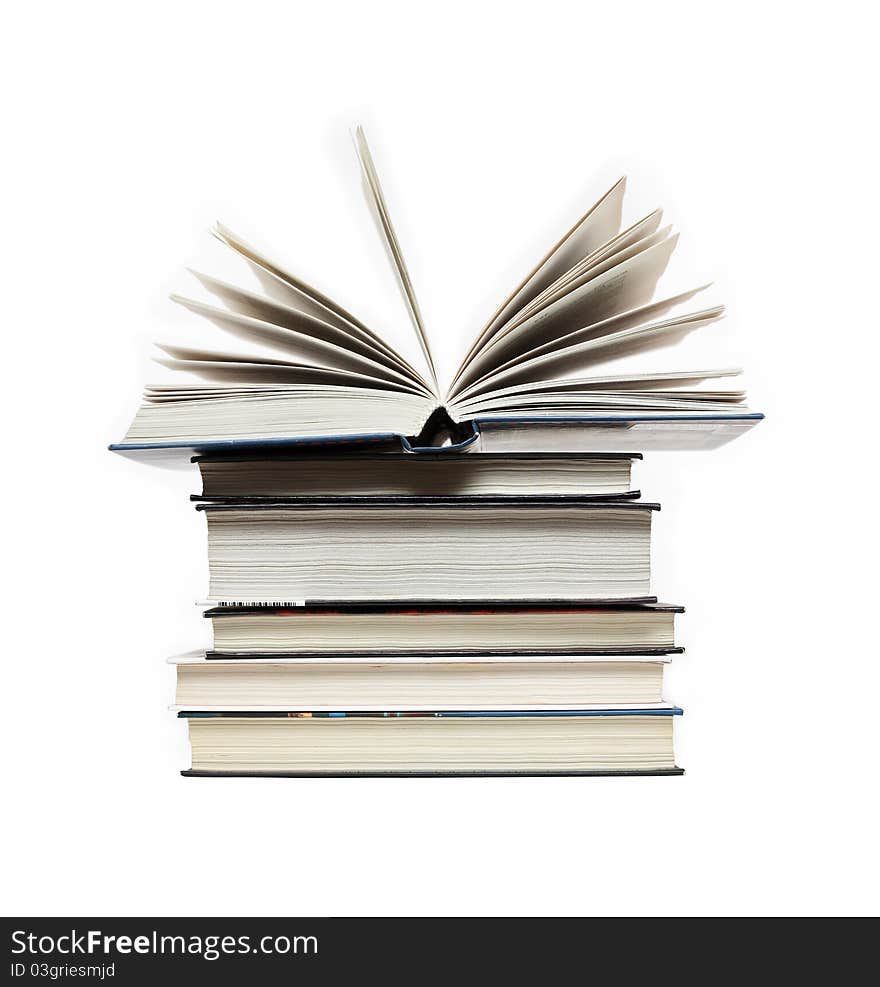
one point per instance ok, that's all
(670, 390)
(615, 323)
(510, 339)
(644, 232)
(303, 347)
(616, 382)
(256, 373)
(625, 285)
(197, 392)
(572, 359)
(378, 200)
(595, 227)
(282, 286)
(591, 268)
(217, 366)
(297, 289)
(276, 313)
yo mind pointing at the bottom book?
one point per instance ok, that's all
(594, 741)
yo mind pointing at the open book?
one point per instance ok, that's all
(315, 371)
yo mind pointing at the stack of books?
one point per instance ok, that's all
(412, 580)
(429, 613)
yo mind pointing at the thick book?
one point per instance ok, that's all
(455, 628)
(560, 354)
(442, 551)
(256, 478)
(585, 741)
(362, 682)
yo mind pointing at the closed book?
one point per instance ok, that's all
(428, 475)
(584, 741)
(406, 551)
(362, 682)
(453, 627)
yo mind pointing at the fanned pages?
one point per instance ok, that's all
(616, 323)
(259, 307)
(372, 180)
(623, 286)
(569, 345)
(591, 351)
(594, 228)
(283, 286)
(291, 341)
(259, 370)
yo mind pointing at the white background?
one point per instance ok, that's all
(129, 130)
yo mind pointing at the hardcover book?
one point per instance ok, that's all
(359, 682)
(497, 475)
(443, 551)
(452, 627)
(585, 741)
(549, 371)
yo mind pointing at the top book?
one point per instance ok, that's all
(529, 381)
